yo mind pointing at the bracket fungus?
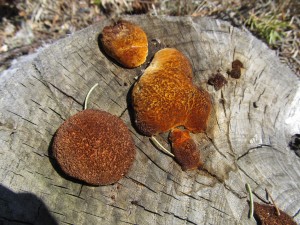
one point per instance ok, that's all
(94, 146)
(126, 43)
(165, 97)
(185, 150)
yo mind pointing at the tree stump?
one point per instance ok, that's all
(248, 139)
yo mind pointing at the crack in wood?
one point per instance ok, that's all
(180, 218)
(140, 184)
(152, 160)
(35, 102)
(276, 118)
(75, 196)
(227, 187)
(115, 102)
(221, 211)
(261, 94)
(99, 73)
(84, 63)
(218, 150)
(193, 197)
(117, 207)
(127, 222)
(169, 195)
(260, 198)
(91, 214)
(244, 172)
(228, 138)
(223, 104)
(16, 114)
(59, 186)
(257, 147)
(66, 94)
(43, 176)
(296, 214)
(43, 110)
(57, 113)
(144, 208)
(67, 223)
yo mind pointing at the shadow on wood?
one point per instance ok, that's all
(23, 208)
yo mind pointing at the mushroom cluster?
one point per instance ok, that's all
(165, 98)
(96, 147)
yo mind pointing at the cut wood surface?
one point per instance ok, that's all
(247, 141)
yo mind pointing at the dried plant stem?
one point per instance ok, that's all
(251, 200)
(272, 200)
(161, 147)
(88, 95)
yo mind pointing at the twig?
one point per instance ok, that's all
(88, 95)
(161, 147)
(251, 200)
(272, 200)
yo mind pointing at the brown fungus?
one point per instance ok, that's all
(185, 150)
(126, 43)
(95, 147)
(165, 96)
(237, 67)
(267, 215)
(217, 80)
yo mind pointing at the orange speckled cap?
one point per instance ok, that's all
(94, 146)
(126, 43)
(165, 96)
(185, 150)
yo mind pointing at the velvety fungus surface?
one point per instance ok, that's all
(165, 96)
(95, 147)
(185, 150)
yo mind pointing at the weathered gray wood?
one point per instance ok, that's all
(245, 144)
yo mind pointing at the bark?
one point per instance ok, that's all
(253, 120)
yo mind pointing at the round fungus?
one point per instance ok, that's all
(165, 96)
(95, 147)
(126, 43)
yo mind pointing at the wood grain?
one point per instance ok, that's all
(253, 120)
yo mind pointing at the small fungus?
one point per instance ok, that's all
(217, 80)
(165, 97)
(237, 67)
(126, 43)
(185, 150)
(94, 146)
(295, 144)
(267, 215)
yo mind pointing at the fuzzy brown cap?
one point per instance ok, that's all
(185, 150)
(165, 96)
(94, 146)
(126, 43)
(266, 215)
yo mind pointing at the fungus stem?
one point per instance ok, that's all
(161, 147)
(272, 200)
(88, 95)
(251, 200)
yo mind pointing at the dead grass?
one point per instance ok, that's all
(33, 22)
